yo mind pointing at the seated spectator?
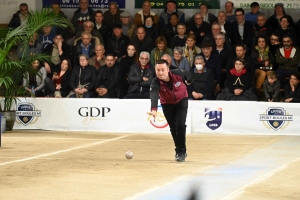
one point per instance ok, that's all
(252, 15)
(46, 37)
(170, 30)
(190, 50)
(263, 60)
(225, 51)
(207, 17)
(212, 62)
(101, 26)
(58, 51)
(142, 42)
(66, 32)
(292, 89)
(33, 47)
(201, 87)
(199, 28)
(84, 46)
(140, 77)
(179, 40)
(82, 79)
(215, 30)
(238, 84)
(112, 15)
(226, 27)
(152, 30)
(98, 60)
(139, 18)
(171, 7)
(243, 31)
(57, 11)
(230, 15)
(178, 59)
(271, 88)
(89, 27)
(275, 42)
(160, 49)
(108, 79)
(261, 27)
(117, 43)
(285, 29)
(82, 14)
(35, 83)
(129, 29)
(287, 58)
(59, 85)
(19, 18)
(279, 12)
(125, 64)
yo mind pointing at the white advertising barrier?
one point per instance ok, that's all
(229, 117)
(101, 115)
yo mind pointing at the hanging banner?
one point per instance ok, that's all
(267, 4)
(92, 3)
(182, 4)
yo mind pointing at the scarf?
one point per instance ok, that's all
(187, 54)
(263, 55)
(235, 73)
(158, 54)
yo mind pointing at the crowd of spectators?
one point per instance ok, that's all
(231, 56)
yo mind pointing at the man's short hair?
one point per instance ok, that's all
(146, 53)
(86, 33)
(287, 36)
(220, 34)
(162, 61)
(99, 11)
(271, 74)
(199, 58)
(204, 4)
(174, 13)
(206, 45)
(240, 45)
(240, 10)
(23, 5)
(88, 21)
(262, 15)
(83, 55)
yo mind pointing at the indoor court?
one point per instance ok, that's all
(88, 165)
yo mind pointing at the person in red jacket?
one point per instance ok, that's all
(172, 91)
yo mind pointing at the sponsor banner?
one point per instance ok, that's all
(267, 4)
(130, 116)
(181, 4)
(92, 3)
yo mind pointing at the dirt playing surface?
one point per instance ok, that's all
(69, 165)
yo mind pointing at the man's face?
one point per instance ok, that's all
(219, 40)
(215, 29)
(271, 80)
(206, 51)
(228, 7)
(99, 50)
(58, 40)
(113, 9)
(171, 7)
(84, 4)
(109, 61)
(141, 34)
(279, 10)
(88, 27)
(287, 43)
(24, 10)
(47, 30)
(284, 23)
(125, 20)
(99, 18)
(55, 8)
(199, 62)
(86, 39)
(162, 71)
(198, 19)
(143, 60)
(203, 9)
(261, 21)
(221, 17)
(240, 52)
(254, 9)
(83, 61)
(168, 59)
(181, 30)
(274, 40)
(173, 20)
(117, 31)
(240, 17)
(146, 7)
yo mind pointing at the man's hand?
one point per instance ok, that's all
(47, 67)
(145, 79)
(288, 100)
(238, 92)
(153, 113)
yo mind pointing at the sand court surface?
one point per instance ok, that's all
(86, 165)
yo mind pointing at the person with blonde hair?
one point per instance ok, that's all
(271, 87)
(160, 49)
(190, 49)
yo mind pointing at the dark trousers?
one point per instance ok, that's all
(176, 116)
(284, 73)
(138, 95)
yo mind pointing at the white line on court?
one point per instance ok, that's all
(63, 151)
(260, 179)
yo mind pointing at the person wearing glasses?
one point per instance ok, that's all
(89, 27)
(199, 28)
(287, 58)
(140, 77)
(19, 17)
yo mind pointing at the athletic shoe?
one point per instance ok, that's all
(180, 157)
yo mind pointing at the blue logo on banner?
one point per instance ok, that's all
(213, 117)
(276, 118)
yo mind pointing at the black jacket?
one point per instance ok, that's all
(145, 45)
(249, 64)
(273, 22)
(168, 31)
(204, 28)
(288, 93)
(65, 48)
(214, 64)
(248, 38)
(86, 75)
(105, 31)
(77, 21)
(122, 43)
(78, 51)
(65, 83)
(176, 41)
(257, 63)
(135, 78)
(202, 83)
(243, 82)
(15, 21)
(153, 32)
